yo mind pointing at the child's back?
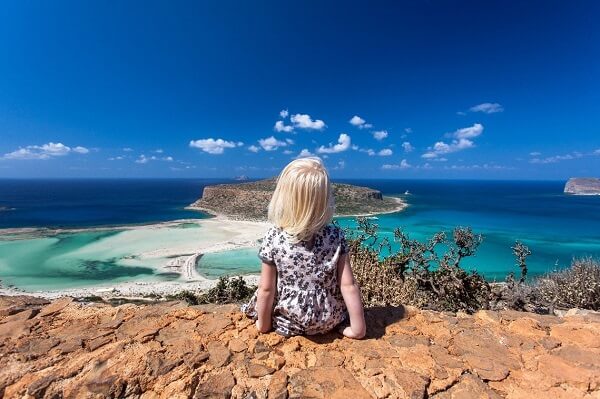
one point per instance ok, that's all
(308, 299)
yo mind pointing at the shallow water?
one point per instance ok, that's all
(79, 259)
(234, 262)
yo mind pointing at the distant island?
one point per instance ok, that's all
(583, 186)
(249, 201)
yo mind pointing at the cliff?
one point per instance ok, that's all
(171, 350)
(249, 201)
(583, 186)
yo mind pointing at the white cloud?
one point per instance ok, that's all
(359, 122)
(212, 146)
(340, 165)
(305, 153)
(369, 151)
(343, 144)
(253, 148)
(281, 127)
(408, 130)
(557, 158)
(53, 149)
(271, 143)
(144, 159)
(119, 158)
(44, 151)
(127, 149)
(461, 141)
(81, 150)
(485, 166)
(468, 132)
(385, 152)
(288, 152)
(284, 113)
(535, 154)
(380, 134)
(304, 121)
(407, 147)
(488, 108)
(597, 152)
(289, 141)
(159, 151)
(24, 153)
(403, 165)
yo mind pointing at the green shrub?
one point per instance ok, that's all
(227, 290)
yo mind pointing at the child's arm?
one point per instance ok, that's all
(266, 294)
(351, 294)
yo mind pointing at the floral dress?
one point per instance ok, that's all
(308, 299)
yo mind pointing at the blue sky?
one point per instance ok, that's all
(419, 89)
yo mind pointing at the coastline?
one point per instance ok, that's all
(401, 205)
(182, 258)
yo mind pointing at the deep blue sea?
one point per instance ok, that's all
(556, 227)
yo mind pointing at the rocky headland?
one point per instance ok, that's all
(583, 186)
(249, 200)
(172, 350)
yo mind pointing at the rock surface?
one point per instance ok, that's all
(249, 201)
(171, 350)
(583, 186)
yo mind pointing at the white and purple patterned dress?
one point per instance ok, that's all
(308, 299)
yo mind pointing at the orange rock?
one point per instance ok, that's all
(171, 350)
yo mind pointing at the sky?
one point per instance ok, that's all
(378, 89)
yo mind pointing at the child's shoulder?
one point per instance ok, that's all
(332, 230)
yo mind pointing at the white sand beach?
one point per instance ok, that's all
(166, 247)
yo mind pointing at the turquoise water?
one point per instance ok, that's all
(556, 227)
(234, 262)
(99, 257)
(63, 262)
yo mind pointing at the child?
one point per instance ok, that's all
(306, 283)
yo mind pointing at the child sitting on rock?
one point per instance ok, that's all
(306, 283)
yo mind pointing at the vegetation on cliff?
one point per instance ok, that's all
(250, 200)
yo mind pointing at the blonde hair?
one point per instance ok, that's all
(303, 199)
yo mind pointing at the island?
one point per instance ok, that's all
(583, 186)
(250, 200)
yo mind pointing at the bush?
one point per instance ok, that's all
(575, 287)
(227, 290)
(416, 274)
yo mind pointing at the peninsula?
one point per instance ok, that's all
(583, 186)
(250, 200)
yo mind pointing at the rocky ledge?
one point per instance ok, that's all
(171, 350)
(583, 186)
(249, 201)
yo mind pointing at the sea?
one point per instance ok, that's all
(555, 226)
